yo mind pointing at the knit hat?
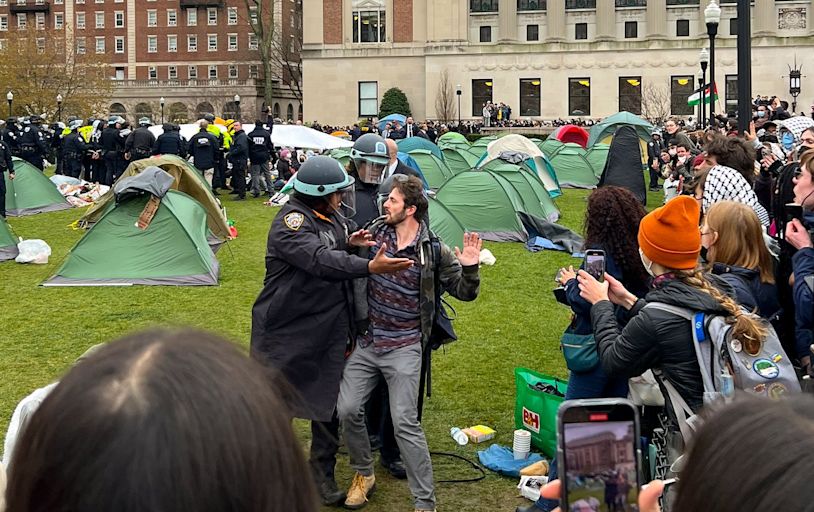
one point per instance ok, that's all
(698, 160)
(670, 236)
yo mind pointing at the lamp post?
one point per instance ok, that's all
(702, 77)
(9, 98)
(237, 104)
(794, 84)
(744, 64)
(59, 107)
(161, 101)
(458, 93)
(712, 16)
(703, 58)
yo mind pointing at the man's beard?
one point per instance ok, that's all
(395, 219)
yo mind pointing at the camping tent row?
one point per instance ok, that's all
(158, 225)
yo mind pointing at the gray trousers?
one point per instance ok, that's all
(401, 368)
(258, 172)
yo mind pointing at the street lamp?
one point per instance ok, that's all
(744, 64)
(9, 98)
(237, 104)
(794, 84)
(458, 92)
(712, 16)
(703, 58)
(59, 107)
(161, 101)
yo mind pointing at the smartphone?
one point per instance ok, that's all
(793, 211)
(595, 263)
(599, 455)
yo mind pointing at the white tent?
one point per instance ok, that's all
(289, 135)
(516, 143)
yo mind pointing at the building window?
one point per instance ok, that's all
(192, 72)
(211, 16)
(80, 20)
(232, 42)
(119, 48)
(630, 94)
(232, 71)
(368, 99)
(59, 20)
(581, 31)
(483, 5)
(172, 72)
(231, 16)
(118, 19)
(531, 5)
(579, 96)
(213, 72)
(100, 45)
(40, 44)
(3, 22)
(532, 32)
(80, 45)
(152, 18)
(172, 17)
(486, 34)
(733, 27)
(152, 44)
(100, 19)
(172, 43)
(682, 28)
(581, 4)
(481, 93)
(212, 42)
(119, 74)
(39, 20)
(731, 98)
(152, 73)
(192, 17)
(631, 3)
(253, 41)
(369, 26)
(681, 87)
(252, 15)
(22, 21)
(3, 3)
(529, 97)
(252, 70)
(631, 30)
(192, 43)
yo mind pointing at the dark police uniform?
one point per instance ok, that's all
(74, 149)
(33, 146)
(6, 165)
(139, 143)
(112, 148)
(11, 137)
(170, 143)
(204, 148)
(302, 319)
(239, 158)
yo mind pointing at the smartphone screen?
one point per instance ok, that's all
(595, 264)
(600, 456)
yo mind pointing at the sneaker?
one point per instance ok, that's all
(360, 491)
(395, 468)
(329, 493)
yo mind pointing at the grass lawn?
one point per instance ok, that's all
(514, 322)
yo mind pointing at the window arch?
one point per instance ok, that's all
(276, 111)
(143, 110)
(204, 108)
(117, 109)
(179, 113)
(290, 112)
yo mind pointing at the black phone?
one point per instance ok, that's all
(595, 263)
(599, 455)
(793, 211)
(560, 295)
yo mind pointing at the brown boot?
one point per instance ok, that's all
(360, 490)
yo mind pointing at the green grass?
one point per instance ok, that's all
(514, 322)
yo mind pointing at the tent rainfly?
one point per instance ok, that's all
(31, 192)
(8, 242)
(434, 170)
(623, 167)
(520, 146)
(573, 168)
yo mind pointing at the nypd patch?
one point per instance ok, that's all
(294, 220)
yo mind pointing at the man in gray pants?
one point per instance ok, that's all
(399, 313)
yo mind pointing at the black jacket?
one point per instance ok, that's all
(239, 152)
(750, 292)
(33, 140)
(170, 143)
(367, 208)
(111, 139)
(655, 338)
(284, 169)
(75, 146)
(203, 147)
(11, 138)
(141, 141)
(260, 146)
(6, 163)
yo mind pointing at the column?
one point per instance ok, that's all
(765, 18)
(311, 22)
(605, 20)
(420, 20)
(555, 20)
(347, 22)
(508, 21)
(130, 19)
(657, 19)
(389, 25)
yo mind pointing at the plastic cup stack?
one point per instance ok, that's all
(522, 444)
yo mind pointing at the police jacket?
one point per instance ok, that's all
(239, 151)
(301, 321)
(203, 147)
(75, 146)
(11, 138)
(111, 139)
(141, 141)
(6, 163)
(170, 143)
(260, 146)
(33, 140)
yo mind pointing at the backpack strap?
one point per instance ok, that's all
(687, 420)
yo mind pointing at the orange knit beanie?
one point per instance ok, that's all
(670, 236)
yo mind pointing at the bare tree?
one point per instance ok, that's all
(655, 103)
(286, 56)
(445, 99)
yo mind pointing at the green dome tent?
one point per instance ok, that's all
(342, 155)
(608, 126)
(517, 149)
(597, 155)
(172, 250)
(452, 139)
(31, 192)
(573, 168)
(8, 242)
(434, 169)
(550, 146)
(445, 225)
(413, 143)
(459, 160)
(536, 199)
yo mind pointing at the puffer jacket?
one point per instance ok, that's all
(655, 338)
(750, 292)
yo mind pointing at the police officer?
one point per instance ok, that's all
(32, 142)
(224, 141)
(204, 148)
(170, 142)
(239, 157)
(112, 149)
(74, 149)
(260, 151)
(302, 319)
(6, 166)
(139, 143)
(95, 168)
(11, 136)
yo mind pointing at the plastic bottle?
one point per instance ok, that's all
(727, 385)
(459, 436)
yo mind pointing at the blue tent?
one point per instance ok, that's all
(411, 143)
(410, 162)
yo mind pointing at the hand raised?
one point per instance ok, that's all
(383, 264)
(471, 252)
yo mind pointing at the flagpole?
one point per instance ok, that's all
(744, 65)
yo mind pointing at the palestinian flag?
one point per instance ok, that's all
(695, 98)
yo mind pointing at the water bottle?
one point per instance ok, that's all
(459, 436)
(727, 385)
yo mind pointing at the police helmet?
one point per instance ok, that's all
(209, 117)
(320, 176)
(370, 147)
(75, 124)
(144, 121)
(11, 120)
(71, 119)
(37, 119)
(27, 120)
